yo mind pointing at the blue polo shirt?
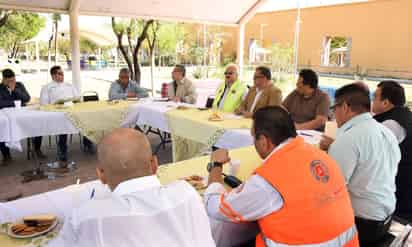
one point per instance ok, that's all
(368, 155)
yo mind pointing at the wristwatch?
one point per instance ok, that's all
(211, 165)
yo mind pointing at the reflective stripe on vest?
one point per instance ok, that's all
(339, 241)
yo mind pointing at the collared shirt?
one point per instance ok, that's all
(368, 154)
(184, 89)
(258, 93)
(117, 91)
(55, 91)
(304, 109)
(254, 199)
(396, 129)
(139, 212)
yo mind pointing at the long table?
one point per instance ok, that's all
(4, 128)
(60, 202)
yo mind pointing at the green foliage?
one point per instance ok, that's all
(282, 60)
(19, 27)
(169, 35)
(338, 42)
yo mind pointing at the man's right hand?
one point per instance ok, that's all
(325, 142)
(131, 95)
(11, 86)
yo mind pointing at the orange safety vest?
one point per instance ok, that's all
(316, 206)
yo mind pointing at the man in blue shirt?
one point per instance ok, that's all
(368, 155)
(124, 88)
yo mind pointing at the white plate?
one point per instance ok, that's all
(11, 234)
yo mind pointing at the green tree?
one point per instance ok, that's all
(135, 31)
(19, 27)
(4, 15)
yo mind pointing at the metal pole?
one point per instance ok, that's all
(75, 44)
(296, 41)
(240, 48)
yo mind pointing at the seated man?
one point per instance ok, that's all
(297, 196)
(53, 92)
(124, 88)
(229, 95)
(181, 89)
(262, 94)
(139, 211)
(307, 104)
(389, 107)
(10, 91)
(368, 154)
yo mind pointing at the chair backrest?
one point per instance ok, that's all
(209, 101)
(90, 96)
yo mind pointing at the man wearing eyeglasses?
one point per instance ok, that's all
(229, 95)
(262, 94)
(181, 89)
(53, 92)
(308, 105)
(368, 155)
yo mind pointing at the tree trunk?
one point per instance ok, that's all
(136, 68)
(152, 66)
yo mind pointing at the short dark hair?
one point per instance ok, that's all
(124, 70)
(392, 91)
(265, 71)
(275, 123)
(54, 69)
(355, 96)
(182, 68)
(8, 73)
(309, 77)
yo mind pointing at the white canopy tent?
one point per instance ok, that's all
(228, 12)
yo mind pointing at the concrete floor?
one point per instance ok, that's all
(11, 180)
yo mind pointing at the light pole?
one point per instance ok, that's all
(296, 41)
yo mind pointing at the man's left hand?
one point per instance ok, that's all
(176, 99)
(221, 156)
(247, 114)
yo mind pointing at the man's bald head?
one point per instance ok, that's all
(124, 154)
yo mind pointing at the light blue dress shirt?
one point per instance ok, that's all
(118, 92)
(368, 155)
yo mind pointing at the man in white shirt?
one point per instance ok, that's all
(53, 92)
(139, 211)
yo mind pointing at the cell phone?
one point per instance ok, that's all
(232, 181)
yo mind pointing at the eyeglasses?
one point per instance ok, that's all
(258, 77)
(229, 73)
(333, 108)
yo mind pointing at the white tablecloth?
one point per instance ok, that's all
(154, 114)
(26, 122)
(4, 128)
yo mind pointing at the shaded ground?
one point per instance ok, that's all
(10, 179)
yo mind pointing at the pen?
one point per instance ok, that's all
(304, 134)
(92, 195)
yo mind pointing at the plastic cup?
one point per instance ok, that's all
(234, 167)
(17, 103)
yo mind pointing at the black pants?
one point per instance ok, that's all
(371, 231)
(5, 151)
